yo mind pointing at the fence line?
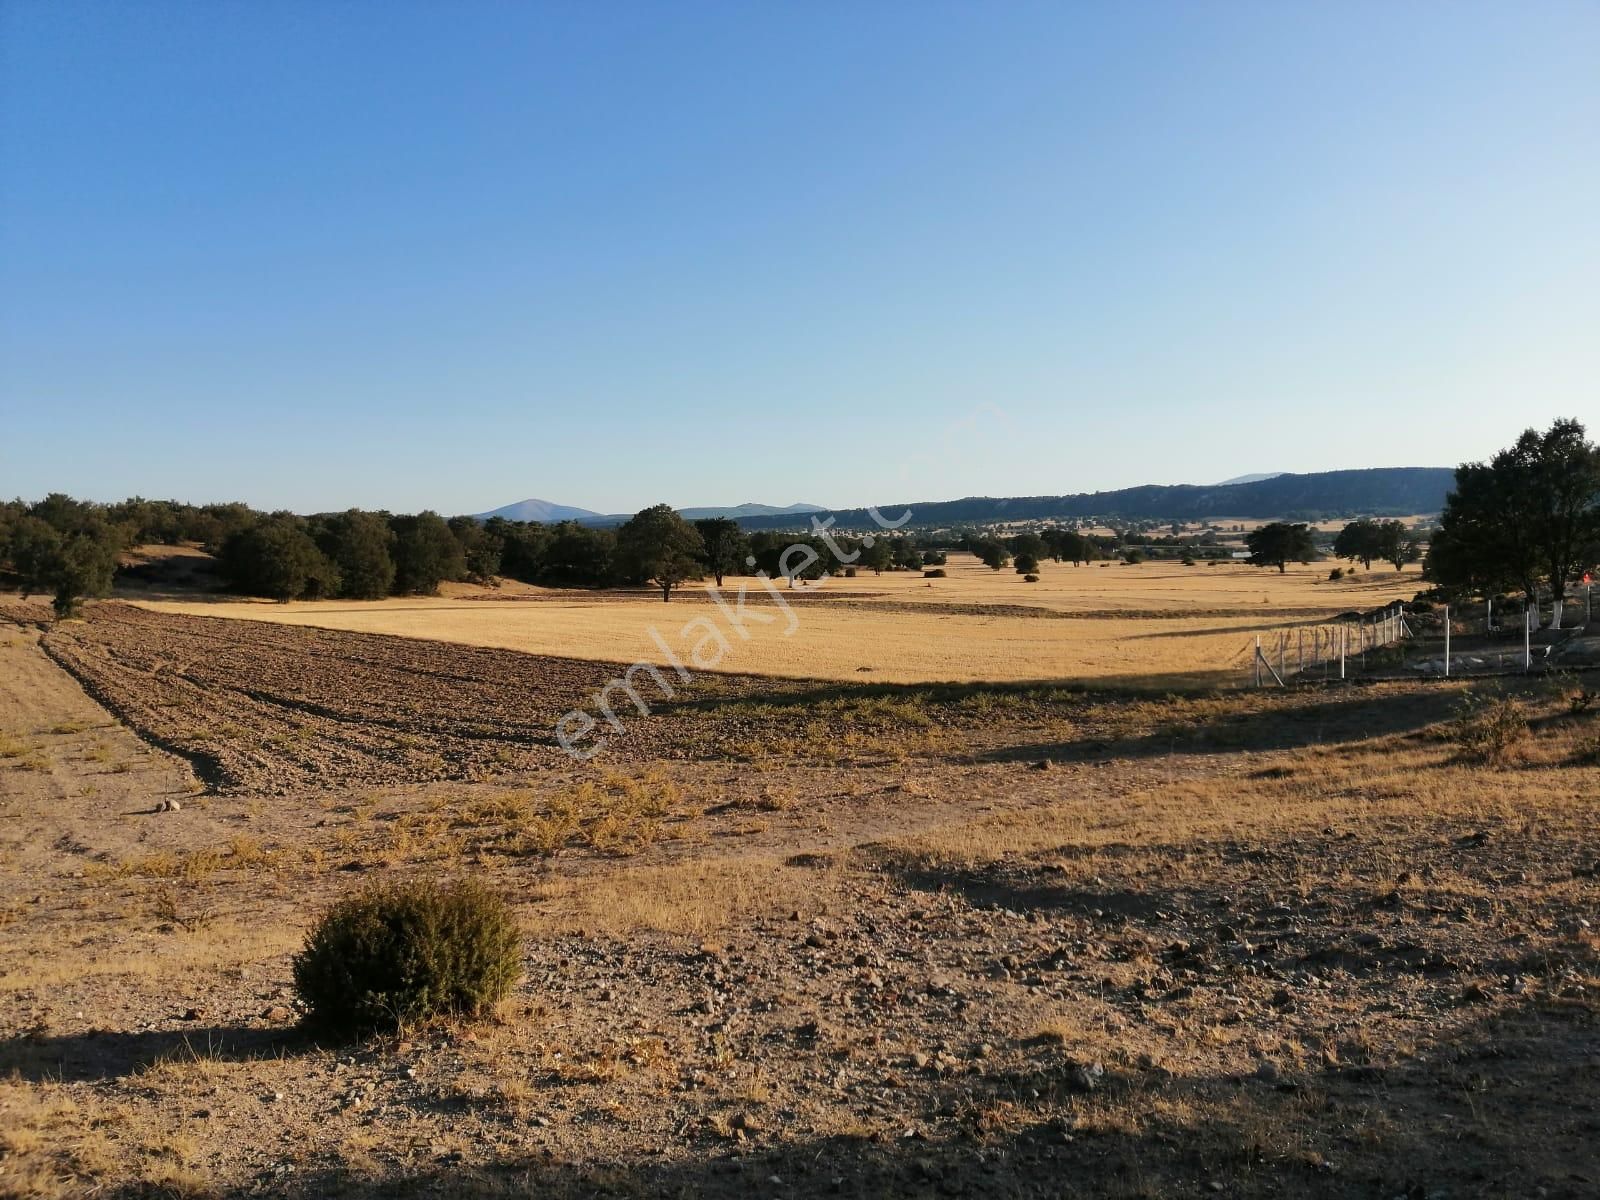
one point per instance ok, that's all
(1327, 646)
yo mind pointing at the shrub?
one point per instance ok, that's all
(936, 573)
(1336, 574)
(401, 952)
(1188, 560)
(1490, 731)
(849, 572)
(1030, 579)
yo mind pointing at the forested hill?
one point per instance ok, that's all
(1377, 491)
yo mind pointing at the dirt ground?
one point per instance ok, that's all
(790, 938)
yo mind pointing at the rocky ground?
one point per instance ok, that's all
(793, 940)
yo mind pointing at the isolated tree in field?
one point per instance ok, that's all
(276, 558)
(1358, 542)
(1527, 516)
(658, 545)
(357, 543)
(1280, 543)
(426, 554)
(1027, 564)
(726, 546)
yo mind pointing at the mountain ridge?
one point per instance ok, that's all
(547, 512)
(1369, 491)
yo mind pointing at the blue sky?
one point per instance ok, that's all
(454, 255)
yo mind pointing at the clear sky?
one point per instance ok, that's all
(452, 255)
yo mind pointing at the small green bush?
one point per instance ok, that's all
(1030, 579)
(402, 952)
(936, 573)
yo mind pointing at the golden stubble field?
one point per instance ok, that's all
(1153, 621)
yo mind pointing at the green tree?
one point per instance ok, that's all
(1393, 543)
(1526, 517)
(905, 556)
(426, 554)
(1029, 545)
(66, 547)
(992, 553)
(71, 564)
(879, 556)
(726, 546)
(524, 548)
(1359, 541)
(1027, 564)
(277, 558)
(480, 548)
(358, 543)
(579, 555)
(1280, 543)
(658, 545)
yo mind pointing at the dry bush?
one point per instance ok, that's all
(1492, 732)
(401, 952)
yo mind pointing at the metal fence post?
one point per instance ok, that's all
(1447, 641)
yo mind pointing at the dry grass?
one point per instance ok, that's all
(878, 634)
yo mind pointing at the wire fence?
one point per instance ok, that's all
(1400, 641)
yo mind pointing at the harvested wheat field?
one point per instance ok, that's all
(792, 938)
(1152, 623)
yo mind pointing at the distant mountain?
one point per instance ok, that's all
(547, 513)
(748, 509)
(542, 511)
(1377, 491)
(1261, 478)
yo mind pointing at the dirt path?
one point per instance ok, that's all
(76, 785)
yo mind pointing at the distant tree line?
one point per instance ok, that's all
(70, 548)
